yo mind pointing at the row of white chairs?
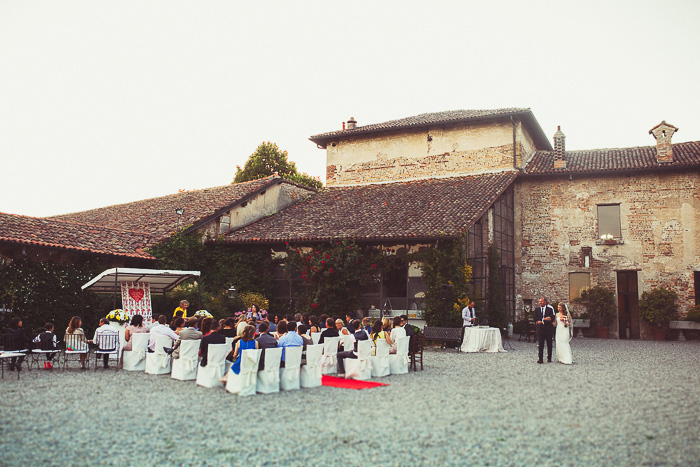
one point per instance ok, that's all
(321, 359)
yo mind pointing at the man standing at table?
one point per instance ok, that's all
(468, 318)
(544, 329)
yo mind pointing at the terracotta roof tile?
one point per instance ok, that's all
(614, 160)
(407, 210)
(157, 215)
(73, 236)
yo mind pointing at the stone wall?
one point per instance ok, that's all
(557, 218)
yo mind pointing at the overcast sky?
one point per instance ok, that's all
(106, 102)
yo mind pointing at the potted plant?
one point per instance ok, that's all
(600, 306)
(658, 307)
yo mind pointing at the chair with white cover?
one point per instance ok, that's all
(185, 367)
(135, 359)
(329, 362)
(311, 372)
(244, 383)
(229, 341)
(158, 362)
(269, 376)
(398, 362)
(289, 375)
(315, 337)
(210, 376)
(380, 359)
(348, 342)
(360, 368)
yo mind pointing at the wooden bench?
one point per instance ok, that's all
(443, 335)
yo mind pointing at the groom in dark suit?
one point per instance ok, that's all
(544, 319)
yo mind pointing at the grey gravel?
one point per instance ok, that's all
(621, 403)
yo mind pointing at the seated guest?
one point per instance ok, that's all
(75, 338)
(291, 338)
(211, 335)
(360, 335)
(265, 341)
(135, 327)
(281, 329)
(409, 328)
(349, 320)
(160, 329)
(47, 341)
(379, 333)
(386, 324)
(366, 325)
(313, 324)
(272, 324)
(104, 339)
(323, 320)
(297, 318)
(177, 324)
(396, 332)
(246, 342)
(340, 326)
(240, 326)
(301, 330)
(329, 331)
(189, 333)
(15, 339)
(229, 328)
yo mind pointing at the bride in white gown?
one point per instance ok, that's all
(564, 333)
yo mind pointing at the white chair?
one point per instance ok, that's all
(210, 376)
(185, 367)
(398, 362)
(311, 372)
(289, 375)
(244, 383)
(269, 376)
(135, 359)
(229, 341)
(158, 362)
(315, 337)
(360, 367)
(348, 342)
(380, 360)
(329, 362)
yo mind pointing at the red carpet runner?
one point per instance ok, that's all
(334, 381)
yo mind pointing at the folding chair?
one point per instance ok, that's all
(329, 363)
(75, 345)
(210, 376)
(360, 368)
(244, 383)
(135, 359)
(107, 343)
(311, 372)
(185, 367)
(43, 348)
(158, 361)
(380, 359)
(398, 362)
(269, 377)
(290, 374)
(415, 352)
(11, 343)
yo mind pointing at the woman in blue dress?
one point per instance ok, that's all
(247, 341)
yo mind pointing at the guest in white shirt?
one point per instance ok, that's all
(160, 328)
(468, 315)
(396, 332)
(106, 338)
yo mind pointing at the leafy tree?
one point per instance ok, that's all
(496, 311)
(268, 159)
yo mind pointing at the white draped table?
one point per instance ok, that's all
(478, 339)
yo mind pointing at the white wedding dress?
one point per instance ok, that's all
(563, 336)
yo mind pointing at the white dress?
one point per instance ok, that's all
(563, 336)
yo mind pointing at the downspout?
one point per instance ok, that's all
(515, 160)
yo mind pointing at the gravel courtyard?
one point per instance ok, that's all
(621, 403)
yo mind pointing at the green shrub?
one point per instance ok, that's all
(600, 304)
(693, 314)
(658, 306)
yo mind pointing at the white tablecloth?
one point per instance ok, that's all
(482, 340)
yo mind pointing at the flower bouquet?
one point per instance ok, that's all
(565, 321)
(203, 314)
(120, 316)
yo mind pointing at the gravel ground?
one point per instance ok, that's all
(621, 403)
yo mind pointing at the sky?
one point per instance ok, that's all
(108, 102)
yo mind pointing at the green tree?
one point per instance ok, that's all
(268, 159)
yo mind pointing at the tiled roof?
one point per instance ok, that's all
(403, 211)
(685, 155)
(157, 215)
(73, 236)
(436, 118)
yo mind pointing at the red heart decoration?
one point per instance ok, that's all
(136, 294)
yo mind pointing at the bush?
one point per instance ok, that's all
(600, 304)
(658, 306)
(693, 314)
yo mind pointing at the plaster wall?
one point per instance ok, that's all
(556, 218)
(422, 153)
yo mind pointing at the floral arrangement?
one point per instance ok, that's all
(118, 315)
(203, 314)
(564, 320)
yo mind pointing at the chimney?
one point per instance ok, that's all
(559, 149)
(663, 133)
(352, 124)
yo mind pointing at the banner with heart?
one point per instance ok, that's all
(136, 300)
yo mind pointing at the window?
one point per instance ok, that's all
(609, 221)
(578, 282)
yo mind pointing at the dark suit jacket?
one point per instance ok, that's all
(213, 338)
(265, 341)
(409, 330)
(360, 335)
(540, 314)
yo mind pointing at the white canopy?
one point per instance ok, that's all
(160, 281)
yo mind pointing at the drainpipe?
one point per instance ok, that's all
(515, 161)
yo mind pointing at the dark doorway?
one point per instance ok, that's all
(696, 284)
(628, 304)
